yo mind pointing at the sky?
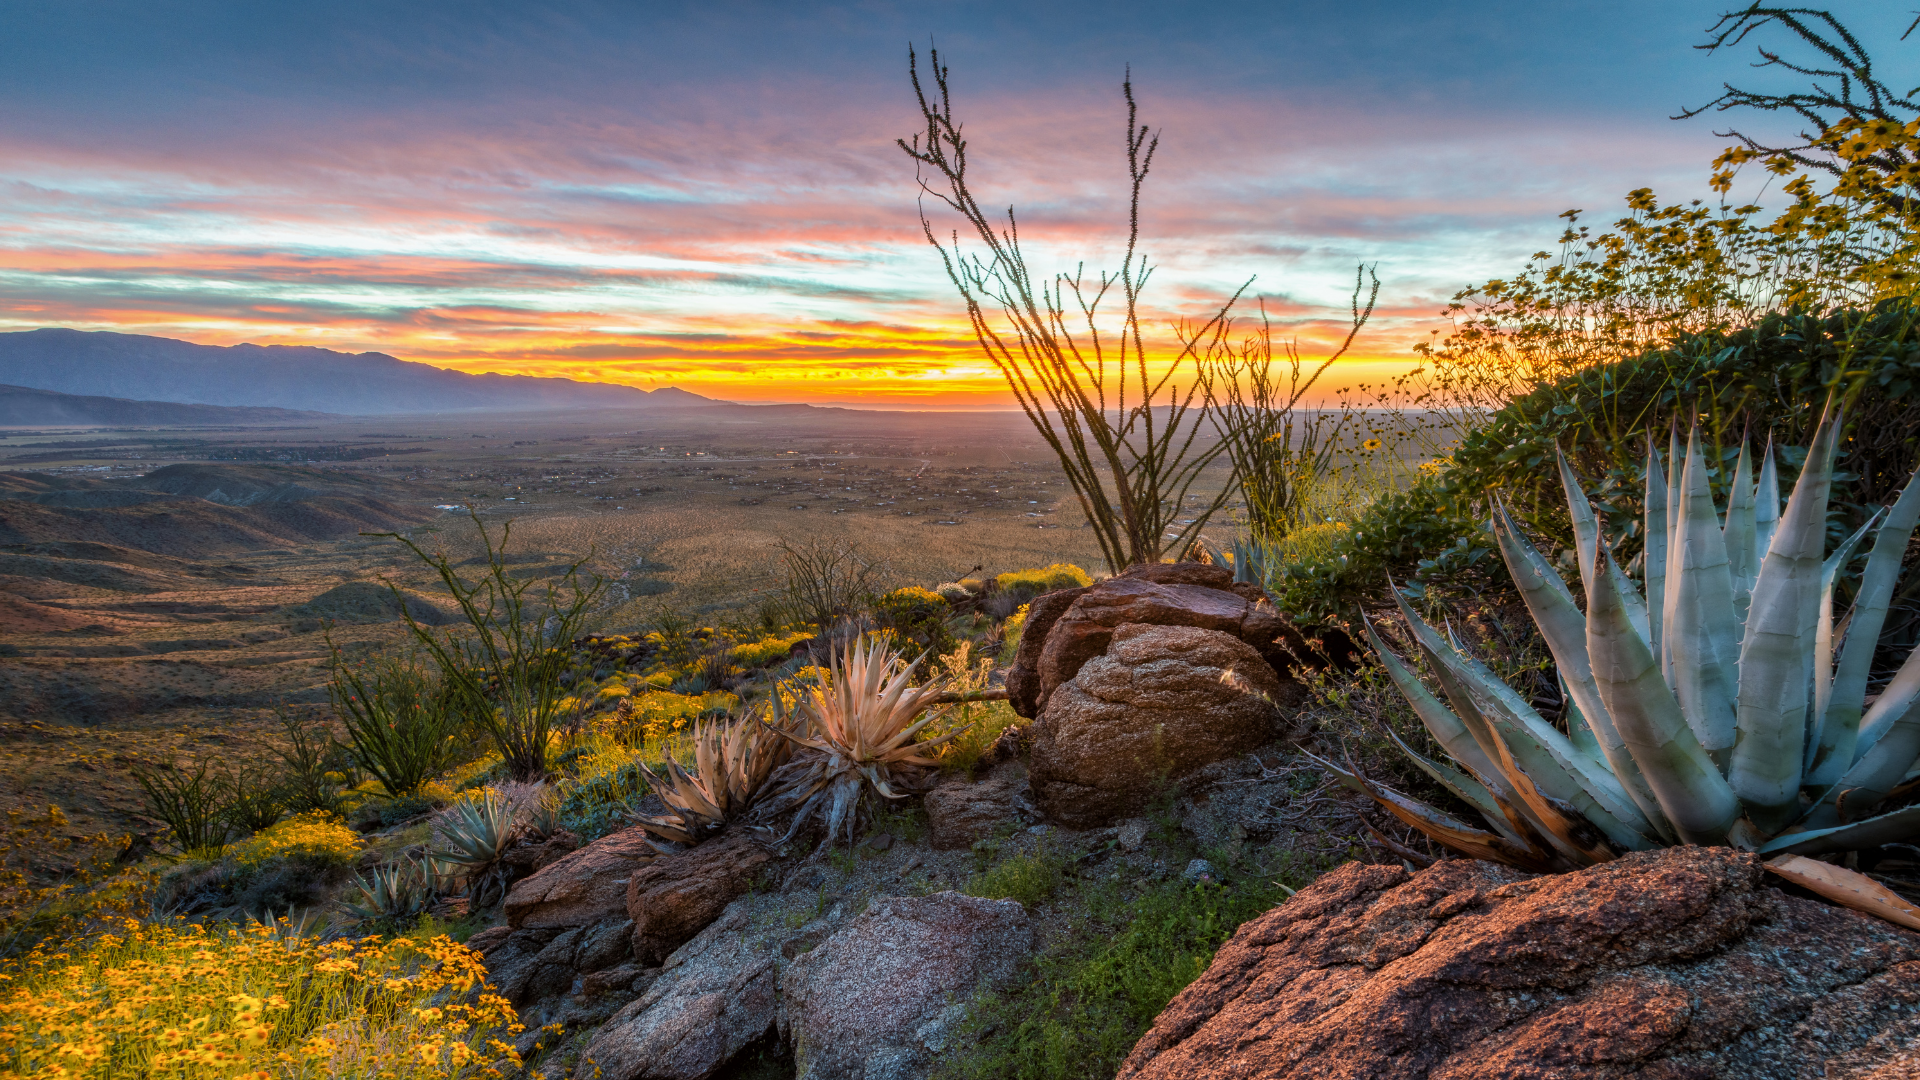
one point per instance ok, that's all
(709, 195)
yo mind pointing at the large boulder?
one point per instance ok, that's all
(715, 997)
(1053, 648)
(881, 998)
(962, 811)
(583, 888)
(1681, 963)
(676, 896)
(1161, 702)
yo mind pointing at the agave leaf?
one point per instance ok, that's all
(1848, 888)
(1466, 787)
(1743, 561)
(1445, 829)
(1579, 732)
(1700, 644)
(1553, 611)
(1689, 787)
(1823, 635)
(1586, 529)
(1841, 736)
(1527, 743)
(1892, 827)
(1776, 655)
(1887, 761)
(1766, 508)
(1446, 728)
(1562, 832)
(1656, 549)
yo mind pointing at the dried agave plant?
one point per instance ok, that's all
(732, 762)
(1730, 711)
(853, 733)
(471, 836)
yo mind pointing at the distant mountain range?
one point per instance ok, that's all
(21, 406)
(140, 369)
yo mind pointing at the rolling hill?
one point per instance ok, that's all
(157, 369)
(22, 406)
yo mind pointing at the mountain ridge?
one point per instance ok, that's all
(25, 406)
(146, 368)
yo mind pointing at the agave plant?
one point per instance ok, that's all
(854, 731)
(1730, 710)
(395, 893)
(732, 762)
(470, 837)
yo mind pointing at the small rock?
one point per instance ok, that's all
(880, 841)
(1197, 870)
(583, 888)
(1133, 833)
(604, 982)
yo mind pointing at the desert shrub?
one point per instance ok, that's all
(1093, 994)
(1027, 584)
(971, 728)
(316, 836)
(393, 896)
(381, 813)
(256, 798)
(917, 616)
(769, 650)
(193, 804)
(307, 776)
(597, 804)
(401, 723)
(164, 1000)
(1010, 633)
(506, 671)
(825, 579)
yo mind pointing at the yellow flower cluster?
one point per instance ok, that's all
(317, 835)
(230, 1004)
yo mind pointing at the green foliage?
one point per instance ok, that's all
(1027, 584)
(1028, 877)
(1767, 377)
(1098, 991)
(306, 767)
(401, 723)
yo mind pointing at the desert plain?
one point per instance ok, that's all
(165, 592)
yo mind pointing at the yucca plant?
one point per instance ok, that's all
(470, 837)
(732, 762)
(1729, 711)
(854, 731)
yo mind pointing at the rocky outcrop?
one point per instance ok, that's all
(714, 997)
(539, 962)
(960, 812)
(1066, 629)
(1160, 703)
(586, 887)
(1682, 963)
(1023, 677)
(882, 997)
(531, 856)
(676, 896)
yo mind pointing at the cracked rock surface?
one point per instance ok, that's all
(1681, 964)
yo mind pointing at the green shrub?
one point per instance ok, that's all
(1771, 376)
(1031, 583)
(400, 721)
(192, 803)
(917, 616)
